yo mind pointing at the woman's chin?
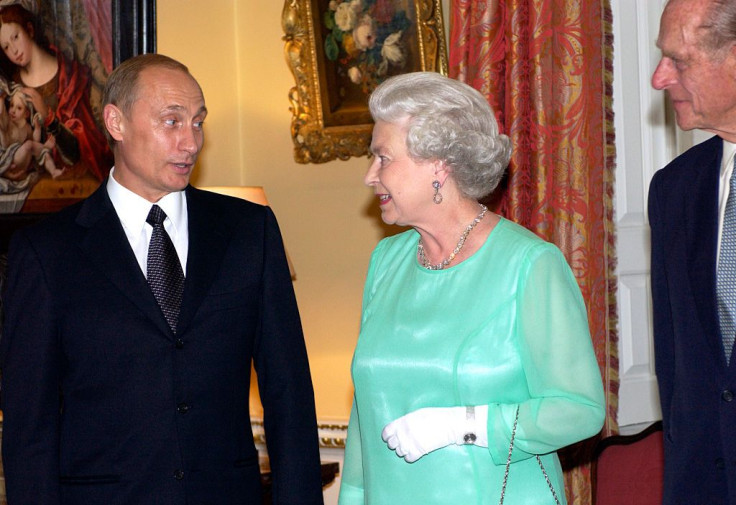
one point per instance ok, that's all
(388, 217)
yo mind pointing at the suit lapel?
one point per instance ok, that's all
(208, 240)
(108, 249)
(702, 239)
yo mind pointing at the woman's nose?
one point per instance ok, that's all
(371, 175)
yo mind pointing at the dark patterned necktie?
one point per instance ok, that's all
(726, 273)
(165, 275)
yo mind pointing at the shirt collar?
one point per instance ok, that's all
(729, 150)
(133, 209)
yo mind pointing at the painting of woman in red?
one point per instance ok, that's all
(59, 87)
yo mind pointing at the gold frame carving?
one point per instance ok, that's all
(315, 142)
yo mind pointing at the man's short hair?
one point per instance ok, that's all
(720, 25)
(121, 88)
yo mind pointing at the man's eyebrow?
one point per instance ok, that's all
(178, 108)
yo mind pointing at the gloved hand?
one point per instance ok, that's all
(428, 429)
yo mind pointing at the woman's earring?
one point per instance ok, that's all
(437, 198)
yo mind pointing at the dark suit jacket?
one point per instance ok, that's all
(697, 388)
(103, 404)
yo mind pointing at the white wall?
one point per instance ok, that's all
(643, 145)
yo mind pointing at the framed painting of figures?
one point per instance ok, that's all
(55, 56)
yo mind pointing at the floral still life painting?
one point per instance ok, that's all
(339, 51)
(367, 40)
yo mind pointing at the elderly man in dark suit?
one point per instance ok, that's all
(692, 212)
(132, 319)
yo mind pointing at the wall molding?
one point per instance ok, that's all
(332, 434)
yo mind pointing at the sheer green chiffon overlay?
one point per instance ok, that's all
(505, 328)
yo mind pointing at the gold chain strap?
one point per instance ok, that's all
(508, 465)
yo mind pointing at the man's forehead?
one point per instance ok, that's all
(682, 25)
(170, 90)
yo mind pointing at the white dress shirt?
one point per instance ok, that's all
(729, 150)
(133, 210)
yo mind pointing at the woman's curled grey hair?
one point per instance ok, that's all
(448, 121)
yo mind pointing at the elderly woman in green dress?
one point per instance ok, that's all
(473, 328)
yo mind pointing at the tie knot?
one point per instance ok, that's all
(156, 216)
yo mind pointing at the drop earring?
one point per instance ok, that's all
(437, 198)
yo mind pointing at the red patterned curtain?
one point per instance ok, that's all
(546, 68)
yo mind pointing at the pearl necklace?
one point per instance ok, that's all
(439, 266)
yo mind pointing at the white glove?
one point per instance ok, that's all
(428, 429)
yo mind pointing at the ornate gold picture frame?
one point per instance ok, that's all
(338, 52)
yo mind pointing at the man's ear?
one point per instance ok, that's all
(114, 121)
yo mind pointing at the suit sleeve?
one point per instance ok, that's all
(661, 311)
(30, 361)
(285, 383)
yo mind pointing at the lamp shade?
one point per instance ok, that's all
(254, 194)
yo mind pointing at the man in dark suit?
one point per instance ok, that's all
(114, 393)
(691, 212)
